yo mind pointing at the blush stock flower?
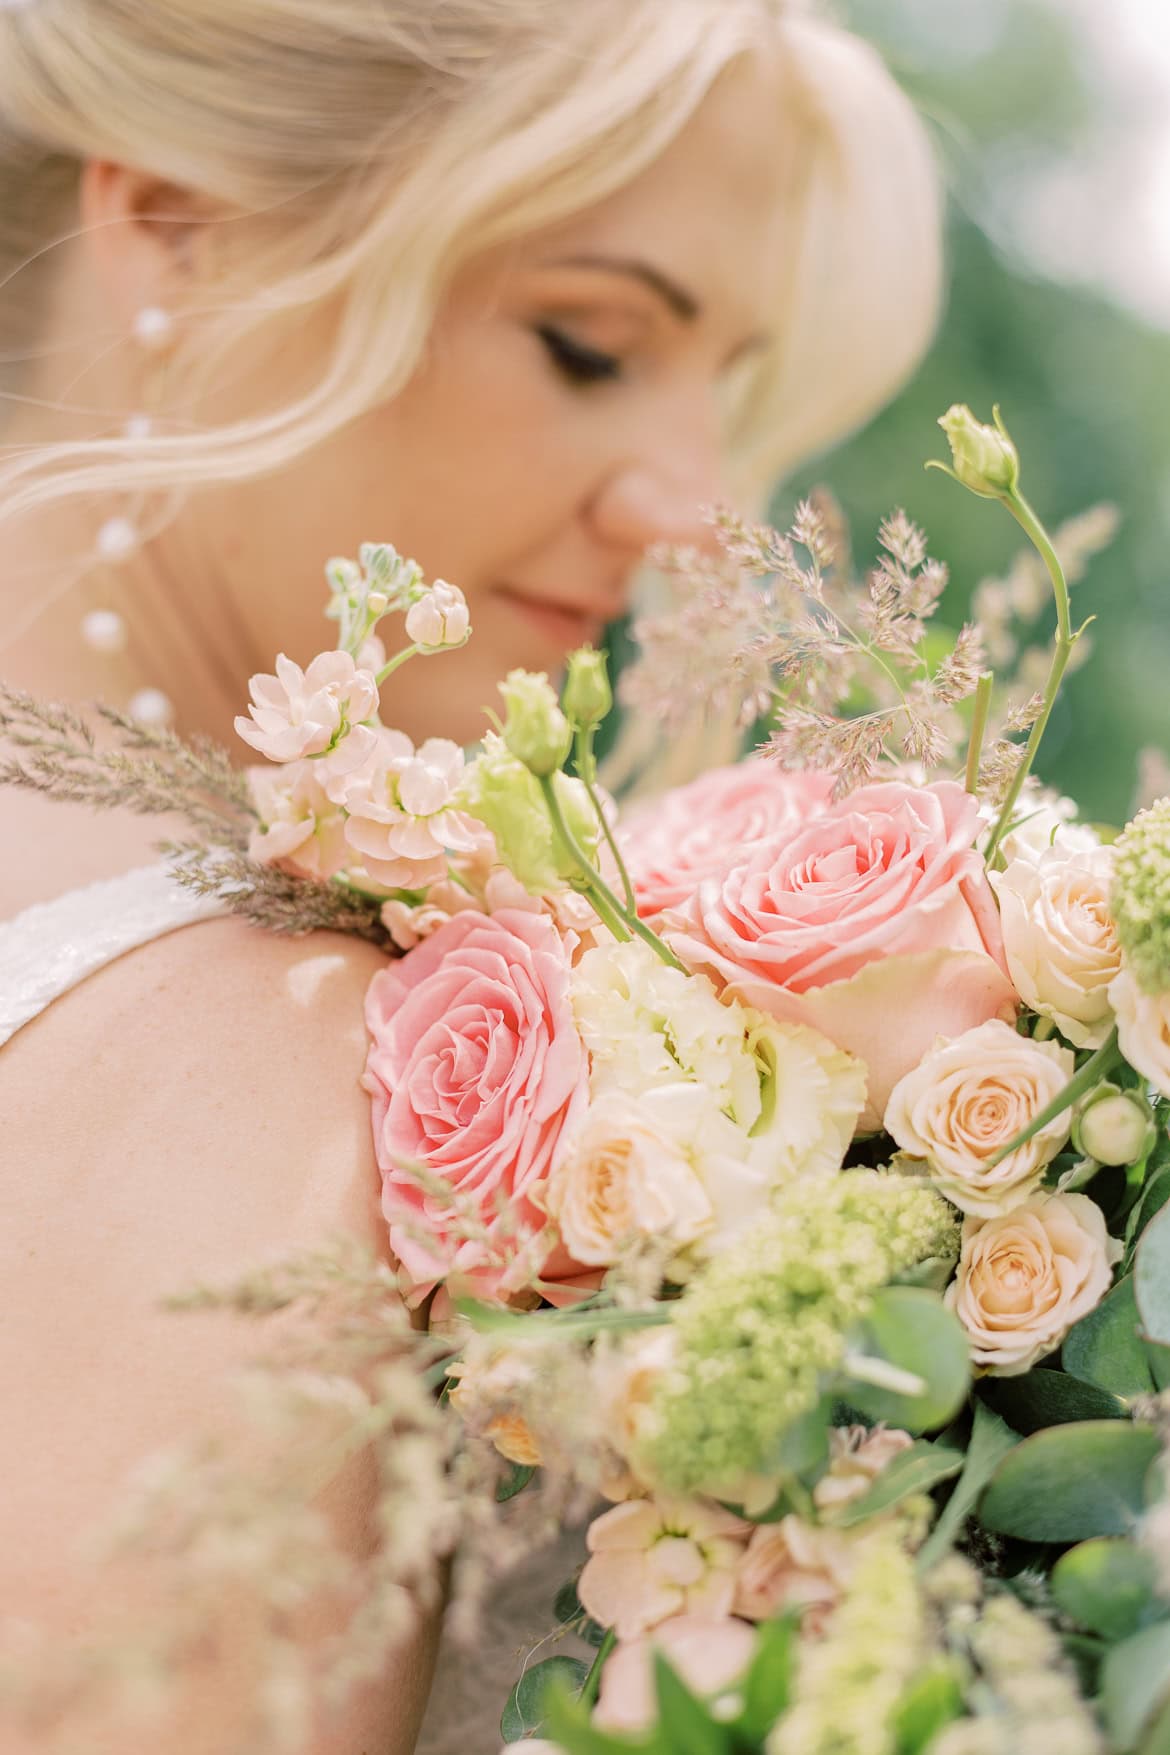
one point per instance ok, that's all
(967, 1100)
(709, 1653)
(1025, 1277)
(878, 908)
(403, 809)
(650, 1559)
(300, 826)
(300, 713)
(475, 1069)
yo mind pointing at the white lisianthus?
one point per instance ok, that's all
(1061, 944)
(1045, 819)
(969, 1099)
(796, 1096)
(1143, 1029)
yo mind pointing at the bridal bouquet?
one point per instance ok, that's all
(779, 1163)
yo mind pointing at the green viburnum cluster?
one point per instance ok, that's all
(760, 1328)
(1140, 901)
(850, 1683)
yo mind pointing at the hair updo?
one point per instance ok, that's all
(358, 152)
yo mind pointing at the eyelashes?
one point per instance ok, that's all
(576, 362)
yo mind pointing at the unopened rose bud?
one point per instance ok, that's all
(1114, 1126)
(439, 620)
(587, 696)
(536, 732)
(985, 460)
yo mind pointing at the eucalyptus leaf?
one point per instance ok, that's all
(1049, 1398)
(568, 1725)
(912, 1330)
(1106, 1346)
(1071, 1482)
(1151, 1278)
(527, 1706)
(768, 1685)
(991, 1440)
(513, 1482)
(916, 1470)
(1106, 1584)
(683, 1720)
(1135, 1684)
(932, 1701)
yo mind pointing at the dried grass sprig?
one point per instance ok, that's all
(270, 897)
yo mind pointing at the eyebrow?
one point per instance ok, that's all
(684, 304)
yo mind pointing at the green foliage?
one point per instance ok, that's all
(1105, 1347)
(1071, 1482)
(1135, 1684)
(989, 1443)
(1106, 1584)
(916, 1470)
(515, 1481)
(1042, 1398)
(928, 1706)
(527, 1707)
(912, 1329)
(1151, 1278)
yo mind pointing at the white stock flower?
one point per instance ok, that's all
(306, 712)
(1060, 941)
(403, 809)
(299, 823)
(969, 1098)
(1045, 819)
(1143, 1029)
(1026, 1276)
(439, 618)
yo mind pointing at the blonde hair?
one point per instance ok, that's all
(371, 147)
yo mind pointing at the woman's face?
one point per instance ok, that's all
(566, 415)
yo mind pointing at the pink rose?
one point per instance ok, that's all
(672, 843)
(874, 924)
(475, 1067)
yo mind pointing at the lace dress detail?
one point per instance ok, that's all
(54, 945)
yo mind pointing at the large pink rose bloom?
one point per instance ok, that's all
(874, 924)
(672, 843)
(475, 1067)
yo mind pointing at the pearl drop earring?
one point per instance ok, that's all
(154, 328)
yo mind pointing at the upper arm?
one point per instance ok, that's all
(190, 1114)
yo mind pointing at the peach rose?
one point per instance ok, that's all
(967, 1100)
(1061, 944)
(650, 1559)
(857, 1457)
(1025, 1277)
(475, 1067)
(877, 910)
(305, 712)
(673, 842)
(1143, 1029)
(619, 1180)
(709, 1653)
(794, 1565)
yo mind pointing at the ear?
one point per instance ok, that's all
(143, 236)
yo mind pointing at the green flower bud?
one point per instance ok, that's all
(501, 793)
(985, 460)
(1114, 1126)
(535, 730)
(587, 696)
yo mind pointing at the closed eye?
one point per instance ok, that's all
(578, 363)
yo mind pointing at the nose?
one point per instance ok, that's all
(659, 495)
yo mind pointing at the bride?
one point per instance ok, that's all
(516, 284)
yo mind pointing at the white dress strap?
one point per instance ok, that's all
(52, 946)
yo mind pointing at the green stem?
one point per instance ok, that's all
(1079, 1085)
(592, 1682)
(396, 662)
(587, 773)
(978, 730)
(1024, 516)
(595, 886)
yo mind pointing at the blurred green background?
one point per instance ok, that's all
(1053, 121)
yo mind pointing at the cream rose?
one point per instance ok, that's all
(1143, 1029)
(1060, 941)
(1025, 1277)
(967, 1100)
(621, 1179)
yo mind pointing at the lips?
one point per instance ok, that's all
(560, 624)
